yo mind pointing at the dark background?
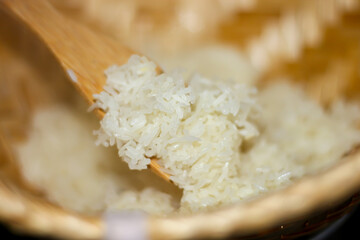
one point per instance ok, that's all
(350, 229)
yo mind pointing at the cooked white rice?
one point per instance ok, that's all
(216, 62)
(61, 159)
(222, 142)
(197, 129)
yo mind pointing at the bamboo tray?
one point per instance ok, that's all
(326, 62)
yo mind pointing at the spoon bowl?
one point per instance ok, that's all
(82, 54)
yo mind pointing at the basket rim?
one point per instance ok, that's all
(306, 196)
(309, 194)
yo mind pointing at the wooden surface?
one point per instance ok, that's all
(83, 54)
(77, 48)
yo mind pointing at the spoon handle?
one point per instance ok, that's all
(82, 53)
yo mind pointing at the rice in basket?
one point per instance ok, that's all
(222, 141)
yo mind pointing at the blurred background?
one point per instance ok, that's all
(315, 41)
(303, 38)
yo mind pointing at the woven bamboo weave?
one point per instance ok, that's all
(325, 59)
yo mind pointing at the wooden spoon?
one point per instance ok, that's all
(83, 54)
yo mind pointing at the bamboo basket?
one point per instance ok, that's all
(324, 60)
